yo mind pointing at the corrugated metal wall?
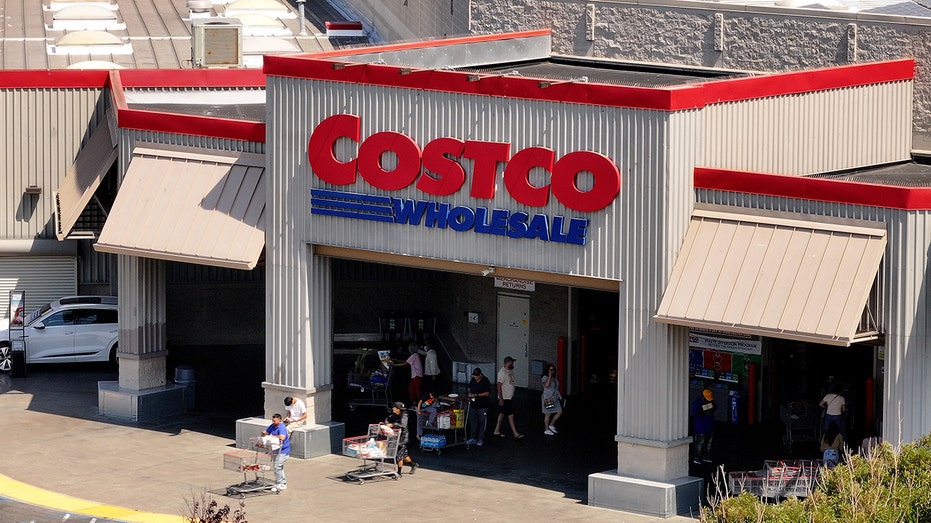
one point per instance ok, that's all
(811, 133)
(625, 135)
(903, 313)
(44, 278)
(129, 138)
(634, 240)
(41, 132)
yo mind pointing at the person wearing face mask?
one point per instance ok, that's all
(506, 389)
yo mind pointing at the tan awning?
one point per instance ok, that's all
(188, 205)
(774, 274)
(79, 184)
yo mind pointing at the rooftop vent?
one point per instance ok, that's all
(216, 42)
(200, 6)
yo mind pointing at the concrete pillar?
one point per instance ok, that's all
(143, 391)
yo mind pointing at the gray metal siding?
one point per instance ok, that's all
(811, 133)
(633, 240)
(627, 136)
(44, 278)
(129, 138)
(41, 133)
(903, 310)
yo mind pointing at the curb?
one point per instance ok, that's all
(22, 492)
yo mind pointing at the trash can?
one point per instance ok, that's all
(184, 375)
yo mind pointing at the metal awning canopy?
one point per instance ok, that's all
(189, 205)
(83, 178)
(773, 274)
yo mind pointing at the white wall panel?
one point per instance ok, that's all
(44, 278)
(811, 133)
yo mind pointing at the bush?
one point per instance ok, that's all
(204, 509)
(887, 486)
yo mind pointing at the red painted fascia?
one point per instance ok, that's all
(53, 79)
(798, 187)
(736, 89)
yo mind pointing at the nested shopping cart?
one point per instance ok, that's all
(802, 420)
(253, 462)
(378, 451)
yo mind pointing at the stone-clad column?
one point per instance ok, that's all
(143, 391)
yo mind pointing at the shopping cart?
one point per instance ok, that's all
(803, 422)
(255, 462)
(378, 451)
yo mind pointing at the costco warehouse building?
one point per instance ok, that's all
(728, 218)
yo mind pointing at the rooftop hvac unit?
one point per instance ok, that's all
(216, 43)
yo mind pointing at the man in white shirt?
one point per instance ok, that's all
(506, 390)
(297, 413)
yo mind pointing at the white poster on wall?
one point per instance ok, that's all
(725, 342)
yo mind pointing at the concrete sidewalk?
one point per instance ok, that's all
(59, 453)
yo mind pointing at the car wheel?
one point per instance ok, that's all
(6, 359)
(112, 359)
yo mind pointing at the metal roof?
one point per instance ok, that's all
(876, 7)
(908, 174)
(571, 69)
(151, 34)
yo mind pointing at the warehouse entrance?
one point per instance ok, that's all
(383, 310)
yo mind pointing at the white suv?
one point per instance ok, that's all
(70, 329)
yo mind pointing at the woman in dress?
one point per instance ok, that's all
(550, 401)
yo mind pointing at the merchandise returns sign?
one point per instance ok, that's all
(437, 170)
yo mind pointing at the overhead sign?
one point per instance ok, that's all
(732, 342)
(438, 169)
(515, 284)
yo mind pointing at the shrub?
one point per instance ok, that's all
(204, 509)
(887, 486)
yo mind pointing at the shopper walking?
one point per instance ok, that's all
(551, 400)
(415, 387)
(397, 420)
(506, 389)
(835, 407)
(479, 394)
(703, 409)
(277, 428)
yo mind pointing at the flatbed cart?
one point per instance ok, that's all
(378, 451)
(449, 426)
(255, 462)
(803, 422)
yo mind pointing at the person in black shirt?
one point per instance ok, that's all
(479, 392)
(397, 420)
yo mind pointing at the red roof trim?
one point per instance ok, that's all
(805, 81)
(192, 78)
(58, 78)
(834, 191)
(422, 44)
(191, 125)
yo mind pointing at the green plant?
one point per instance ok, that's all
(887, 486)
(204, 509)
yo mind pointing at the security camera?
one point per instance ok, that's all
(488, 271)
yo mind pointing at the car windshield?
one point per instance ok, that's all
(38, 312)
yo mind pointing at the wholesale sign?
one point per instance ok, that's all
(437, 169)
